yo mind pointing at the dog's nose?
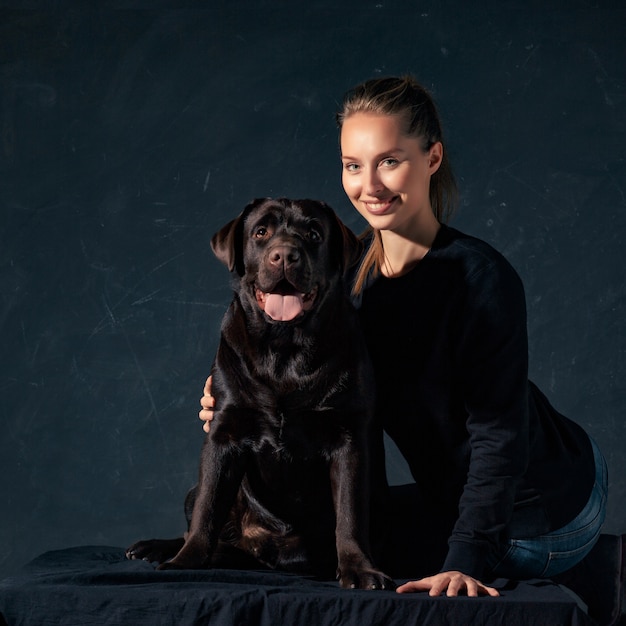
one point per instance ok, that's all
(284, 255)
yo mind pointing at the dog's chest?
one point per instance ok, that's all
(307, 433)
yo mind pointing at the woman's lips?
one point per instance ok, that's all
(379, 207)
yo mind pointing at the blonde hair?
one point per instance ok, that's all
(406, 98)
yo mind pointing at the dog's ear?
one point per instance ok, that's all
(224, 243)
(351, 245)
(227, 242)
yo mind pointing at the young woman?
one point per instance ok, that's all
(504, 485)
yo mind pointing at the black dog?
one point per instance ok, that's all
(284, 469)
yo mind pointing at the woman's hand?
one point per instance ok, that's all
(450, 583)
(207, 402)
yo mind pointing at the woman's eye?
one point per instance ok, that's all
(351, 167)
(389, 162)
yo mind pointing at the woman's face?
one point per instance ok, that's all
(386, 174)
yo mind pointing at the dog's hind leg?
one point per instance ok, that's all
(155, 550)
(222, 467)
(161, 550)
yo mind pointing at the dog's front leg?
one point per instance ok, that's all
(222, 467)
(349, 480)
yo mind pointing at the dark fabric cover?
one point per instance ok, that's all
(96, 585)
(599, 579)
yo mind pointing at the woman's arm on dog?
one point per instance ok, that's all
(207, 402)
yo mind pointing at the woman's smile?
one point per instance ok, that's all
(378, 207)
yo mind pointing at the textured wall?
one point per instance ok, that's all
(129, 135)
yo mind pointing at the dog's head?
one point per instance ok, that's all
(288, 254)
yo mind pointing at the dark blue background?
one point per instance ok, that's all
(131, 131)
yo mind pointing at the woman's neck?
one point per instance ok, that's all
(404, 250)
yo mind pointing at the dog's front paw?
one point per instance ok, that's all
(155, 550)
(364, 578)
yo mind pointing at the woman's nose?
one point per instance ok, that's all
(372, 184)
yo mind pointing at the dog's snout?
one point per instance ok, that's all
(284, 256)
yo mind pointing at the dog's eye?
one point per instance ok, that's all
(260, 232)
(314, 236)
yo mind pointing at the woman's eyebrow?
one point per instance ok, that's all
(377, 156)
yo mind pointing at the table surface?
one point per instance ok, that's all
(98, 585)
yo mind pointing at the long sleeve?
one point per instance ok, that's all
(491, 354)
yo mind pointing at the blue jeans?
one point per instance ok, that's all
(559, 550)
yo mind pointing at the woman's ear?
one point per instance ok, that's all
(435, 156)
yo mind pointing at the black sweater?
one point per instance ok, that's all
(450, 351)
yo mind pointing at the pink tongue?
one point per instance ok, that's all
(283, 308)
